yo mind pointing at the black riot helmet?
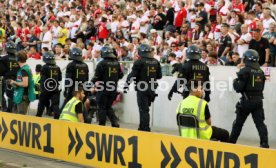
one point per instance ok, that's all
(193, 52)
(144, 51)
(75, 54)
(251, 58)
(11, 47)
(107, 52)
(49, 58)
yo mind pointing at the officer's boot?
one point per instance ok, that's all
(10, 105)
(113, 118)
(48, 111)
(264, 142)
(87, 118)
(102, 117)
(263, 136)
(264, 145)
(4, 104)
(236, 131)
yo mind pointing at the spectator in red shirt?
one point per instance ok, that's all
(19, 31)
(252, 18)
(97, 12)
(238, 6)
(180, 16)
(37, 29)
(103, 32)
(51, 16)
(33, 54)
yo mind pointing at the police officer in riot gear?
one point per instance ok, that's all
(250, 83)
(192, 69)
(10, 67)
(145, 73)
(77, 71)
(107, 74)
(49, 85)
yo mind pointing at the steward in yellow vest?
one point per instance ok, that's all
(195, 105)
(73, 110)
(36, 78)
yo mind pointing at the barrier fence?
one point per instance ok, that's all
(108, 147)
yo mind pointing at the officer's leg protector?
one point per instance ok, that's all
(3, 103)
(242, 114)
(258, 118)
(110, 112)
(9, 92)
(87, 118)
(43, 100)
(102, 116)
(102, 104)
(113, 118)
(143, 103)
(55, 104)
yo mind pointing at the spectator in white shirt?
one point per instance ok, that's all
(267, 18)
(123, 42)
(168, 38)
(55, 30)
(243, 42)
(60, 13)
(144, 26)
(114, 24)
(46, 39)
(223, 9)
(217, 31)
(135, 26)
(157, 40)
(75, 27)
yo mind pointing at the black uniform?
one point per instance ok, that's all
(250, 83)
(193, 69)
(49, 73)
(11, 67)
(107, 74)
(3, 105)
(77, 71)
(143, 71)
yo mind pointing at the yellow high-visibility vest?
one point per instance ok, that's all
(69, 111)
(195, 106)
(36, 78)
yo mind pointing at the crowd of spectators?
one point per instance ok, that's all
(224, 30)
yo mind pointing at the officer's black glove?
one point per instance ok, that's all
(170, 95)
(125, 89)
